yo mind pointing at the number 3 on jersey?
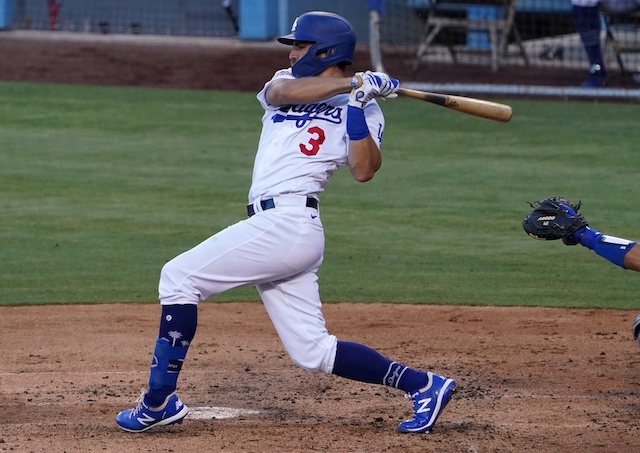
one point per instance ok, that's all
(312, 147)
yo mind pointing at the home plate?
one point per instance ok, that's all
(207, 412)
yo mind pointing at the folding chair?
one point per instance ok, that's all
(623, 37)
(492, 17)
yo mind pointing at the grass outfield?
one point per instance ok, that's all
(101, 186)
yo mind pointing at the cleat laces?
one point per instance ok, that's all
(139, 404)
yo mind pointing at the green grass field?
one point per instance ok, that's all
(101, 186)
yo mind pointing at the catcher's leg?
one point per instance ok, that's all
(635, 329)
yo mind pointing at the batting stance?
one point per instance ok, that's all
(558, 218)
(315, 121)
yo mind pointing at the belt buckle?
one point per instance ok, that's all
(267, 204)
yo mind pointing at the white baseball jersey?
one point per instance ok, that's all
(301, 146)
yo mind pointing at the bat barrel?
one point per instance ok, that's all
(471, 106)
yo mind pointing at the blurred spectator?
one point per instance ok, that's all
(54, 11)
(226, 4)
(586, 15)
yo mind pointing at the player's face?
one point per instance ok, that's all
(298, 50)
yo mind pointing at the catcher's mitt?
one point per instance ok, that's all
(554, 218)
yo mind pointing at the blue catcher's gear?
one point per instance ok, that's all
(635, 329)
(330, 34)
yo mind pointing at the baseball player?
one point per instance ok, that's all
(316, 120)
(586, 16)
(558, 218)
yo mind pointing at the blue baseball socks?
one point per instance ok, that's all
(177, 328)
(361, 363)
(587, 21)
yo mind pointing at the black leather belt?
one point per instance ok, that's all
(270, 204)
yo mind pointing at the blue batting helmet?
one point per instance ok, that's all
(331, 35)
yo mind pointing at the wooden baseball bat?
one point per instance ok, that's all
(471, 106)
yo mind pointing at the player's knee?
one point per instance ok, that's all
(175, 286)
(307, 365)
(317, 357)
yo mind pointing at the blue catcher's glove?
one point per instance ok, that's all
(635, 329)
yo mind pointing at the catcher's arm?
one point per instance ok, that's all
(558, 218)
(632, 258)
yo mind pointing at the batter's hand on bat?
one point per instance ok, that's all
(387, 86)
(373, 85)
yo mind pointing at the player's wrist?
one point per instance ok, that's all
(577, 235)
(585, 236)
(357, 96)
(357, 128)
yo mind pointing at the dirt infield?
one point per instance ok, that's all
(530, 379)
(543, 380)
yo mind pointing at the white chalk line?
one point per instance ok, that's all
(76, 373)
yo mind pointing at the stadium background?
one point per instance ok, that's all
(557, 61)
(531, 379)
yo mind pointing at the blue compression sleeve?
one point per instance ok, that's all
(609, 247)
